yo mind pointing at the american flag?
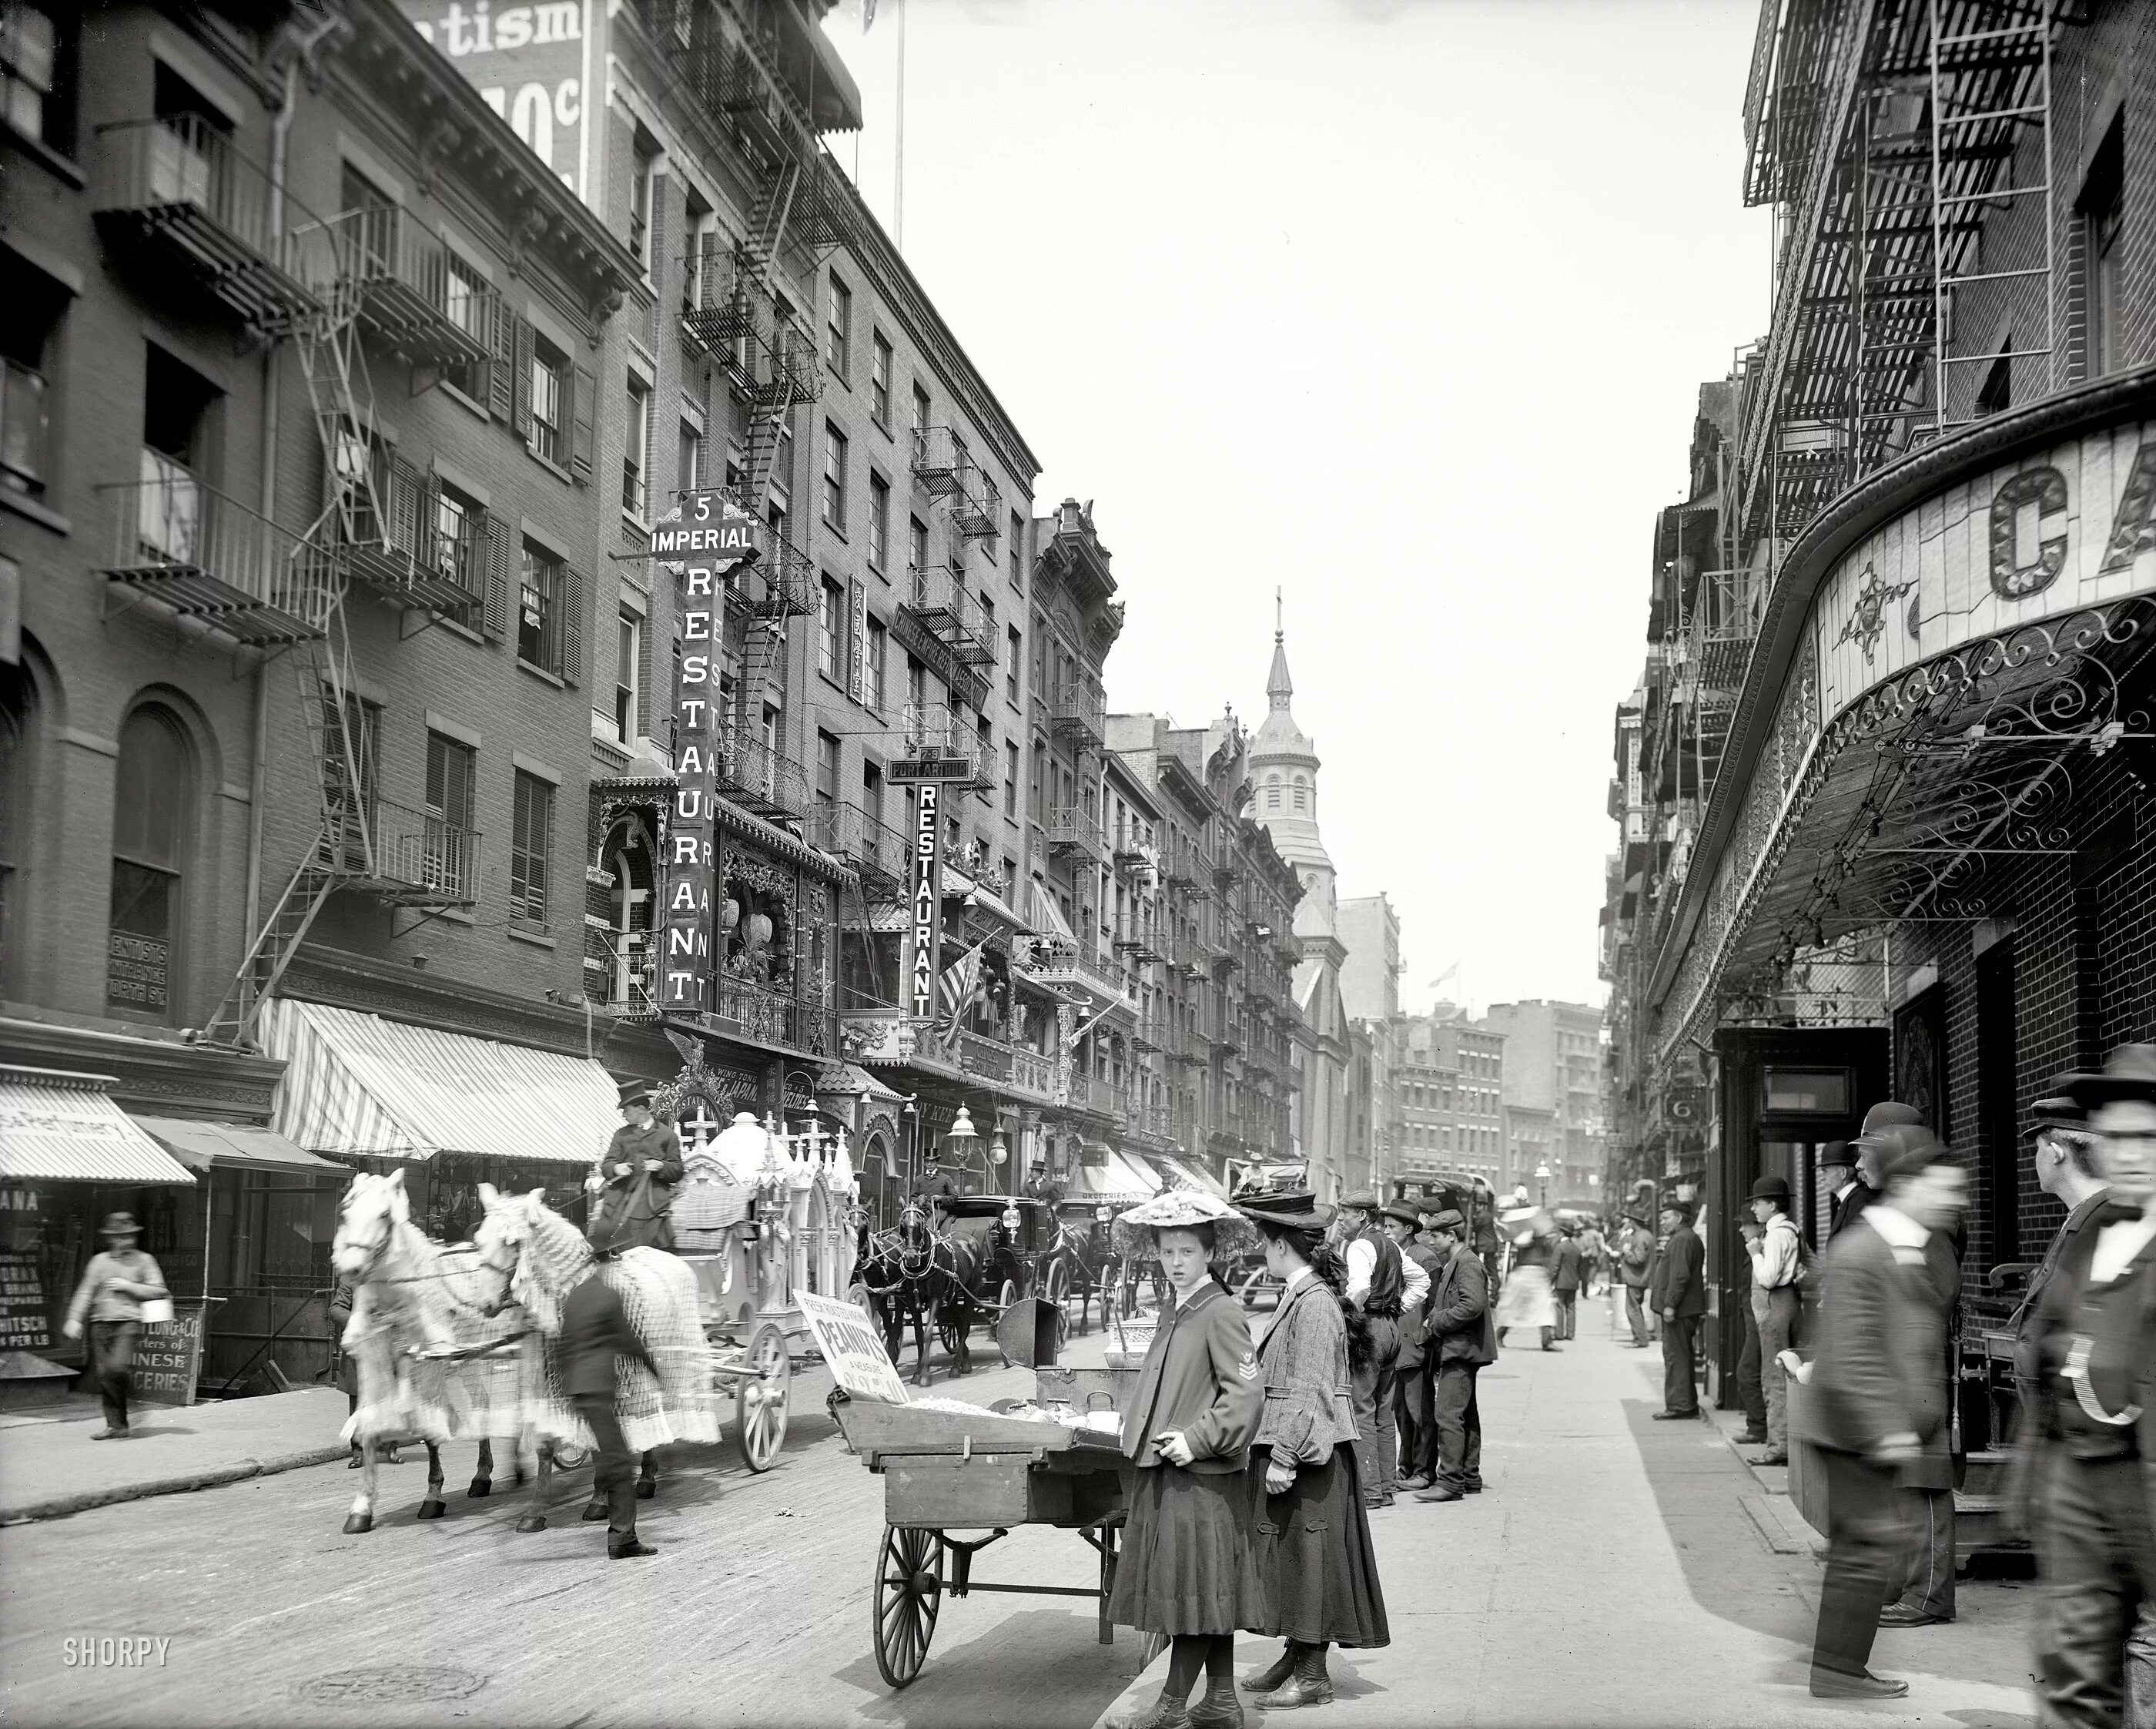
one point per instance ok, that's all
(960, 984)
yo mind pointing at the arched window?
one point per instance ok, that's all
(1301, 794)
(629, 859)
(153, 796)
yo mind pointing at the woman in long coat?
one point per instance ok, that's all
(1312, 1544)
(1186, 1569)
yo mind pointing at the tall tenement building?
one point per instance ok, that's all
(1887, 807)
(1553, 1097)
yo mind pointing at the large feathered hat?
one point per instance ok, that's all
(1183, 1209)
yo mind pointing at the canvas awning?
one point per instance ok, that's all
(1113, 1178)
(358, 1086)
(1181, 1173)
(230, 1146)
(1046, 917)
(58, 1126)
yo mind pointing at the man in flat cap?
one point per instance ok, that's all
(1882, 1423)
(2091, 1338)
(1776, 1252)
(1463, 1337)
(1377, 1285)
(1412, 1386)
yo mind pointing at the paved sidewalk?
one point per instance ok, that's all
(48, 1469)
(1621, 1572)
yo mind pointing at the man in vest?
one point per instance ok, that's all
(1377, 1287)
(2091, 1342)
(1413, 1385)
(1776, 1252)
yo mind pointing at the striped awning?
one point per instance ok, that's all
(358, 1086)
(234, 1146)
(1182, 1174)
(1113, 1178)
(58, 1126)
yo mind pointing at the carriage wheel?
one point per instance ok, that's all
(908, 1591)
(1248, 1294)
(760, 1397)
(1058, 1292)
(858, 1295)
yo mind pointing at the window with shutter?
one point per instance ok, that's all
(572, 634)
(494, 615)
(583, 406)
(520, 381)
(501, 371)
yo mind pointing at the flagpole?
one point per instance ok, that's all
(898, 172)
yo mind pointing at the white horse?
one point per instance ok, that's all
(545, 1257)
(437, 1357)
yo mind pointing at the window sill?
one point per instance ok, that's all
(25, 505)
(455, 629)
(536, 937)
(541, 674)
(832, 529)
(61, 165)
(551, 467)
(456, 395)
(836, 686)
(635, 524)
(882, 426)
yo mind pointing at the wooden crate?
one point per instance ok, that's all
(1086, 1389)
(871, 1429)
(959, 1491)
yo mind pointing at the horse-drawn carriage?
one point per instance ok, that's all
(954, 1261)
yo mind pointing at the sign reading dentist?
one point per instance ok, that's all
(531, 64)
(711, 537)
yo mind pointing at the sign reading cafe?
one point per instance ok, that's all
(710, 537)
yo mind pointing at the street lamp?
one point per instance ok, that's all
(1542, 1177)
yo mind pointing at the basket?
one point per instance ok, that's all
(704, 1203)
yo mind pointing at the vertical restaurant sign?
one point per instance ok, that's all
(530, 63)
(703, 541)
(927, 884)
(857, 627)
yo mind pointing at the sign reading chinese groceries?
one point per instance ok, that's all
(926, 878)
(705, 540)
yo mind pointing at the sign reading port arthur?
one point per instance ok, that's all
(705, 540)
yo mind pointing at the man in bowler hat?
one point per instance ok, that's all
(1880, 1402)
(1377, 1286)
(1412, 1385)
(1679, 1292)
(644, 1151)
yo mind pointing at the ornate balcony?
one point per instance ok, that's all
(782, 584)
(177, 189)
(762, 780)
(875, 849)
(945, 470)
(176, 540)
(937, 596)
(1079, 709)
(769, 1016)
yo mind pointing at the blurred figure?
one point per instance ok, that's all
(2090, 1336)
(1680, 1297)
(1635, 1259)
(1528, 1300)
(1880, 1401)
(116, 1284)
(1592, 1253)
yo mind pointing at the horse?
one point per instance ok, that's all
(544, 1256)
(907, 1271)
(435, 1354)
(1080, 1261)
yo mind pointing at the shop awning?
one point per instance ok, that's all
(232, 1147)
(357, 1086)
(1046, 917)
(58, 1126)
(1107, 1176)
(1182, 1174)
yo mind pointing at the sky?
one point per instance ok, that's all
(1398, 306)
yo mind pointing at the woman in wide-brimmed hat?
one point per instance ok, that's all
(1313, 1549)
(1187, 1570)
(115, 1286)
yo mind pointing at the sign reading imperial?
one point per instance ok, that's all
(927, 883)
(710, 536)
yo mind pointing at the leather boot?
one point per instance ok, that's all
(1282, 1667)
(1161, 1714)
(1219, 1709)
(1309, 1685)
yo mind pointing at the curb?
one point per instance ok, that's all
(61, 1506)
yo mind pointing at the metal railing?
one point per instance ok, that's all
(407, 545)
(400, 848)
(849, 833)
(773, 1017)
(25, 425)
(752, 773)
(936, 594)
(942, 467)
(1069, 826)
(209, 555)
(1078, 707)
(181, 159)
(410, 290)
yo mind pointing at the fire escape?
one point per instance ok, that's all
(179, 197)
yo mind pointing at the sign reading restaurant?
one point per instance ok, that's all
(927, 897)
(709, 536)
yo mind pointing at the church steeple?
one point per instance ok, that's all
(1279, 689)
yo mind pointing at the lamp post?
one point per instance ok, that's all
(1542, 1177)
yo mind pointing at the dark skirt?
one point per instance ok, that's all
(1314, 1555)
(1185, 1564)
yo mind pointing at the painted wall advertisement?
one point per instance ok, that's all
(25, 1322)
(168, 1358)
(703, 541)
(532, 64)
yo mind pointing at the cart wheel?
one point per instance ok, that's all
(1004, 1298)
(1057, 1286)
(908, 1591)
(760, 1396)
(858, 1297)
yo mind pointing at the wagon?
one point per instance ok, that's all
(957, 1482)
(1015, 1234)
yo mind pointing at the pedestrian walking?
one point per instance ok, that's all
(119, 1284)
(1565, 1276)
(1528, 1302)
(1413, 1416)
(1636, 1258)
(2095, 1373)
(1594, 1253)
(1315, 1556)
(595, 1331)
(1187, 1571)
(1463, 1340)
(631, 1185)
(1680, 1297)
(1777, 1254)
(1840, 1174)
(1882, 1410)
(1376, 1287)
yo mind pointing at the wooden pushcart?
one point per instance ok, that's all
(946, 1471)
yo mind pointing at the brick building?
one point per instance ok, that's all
(1884, 792)
(1450, 1085)
(1553, 1096)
